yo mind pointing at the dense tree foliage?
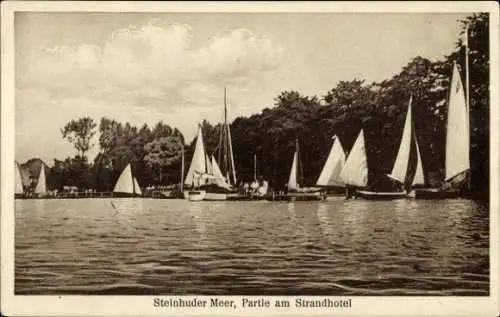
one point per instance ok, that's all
(79, 133)
(378, 108)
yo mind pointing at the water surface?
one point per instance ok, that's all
(356, 247)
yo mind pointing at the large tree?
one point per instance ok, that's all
(162, 155)
(79, 132)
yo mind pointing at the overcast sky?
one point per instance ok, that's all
(147, 67)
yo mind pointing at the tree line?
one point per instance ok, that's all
(379, 108)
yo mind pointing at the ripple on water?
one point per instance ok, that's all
(255, 248)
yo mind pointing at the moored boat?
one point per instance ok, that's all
(457, 162)
(41, 185)
(19, 188)
(403, 172)
(127, 185)
(196, 195)
(223, 181)
(354, 174)
(204, 176)
(372, 195)
(198, 168)
(295, 192)
(329, 180)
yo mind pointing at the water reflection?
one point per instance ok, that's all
(356, 247)
(324, 222)
(200, 219)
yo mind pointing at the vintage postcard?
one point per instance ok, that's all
(242, 159)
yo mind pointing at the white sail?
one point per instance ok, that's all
(355, 171)
(210, 169)
(41, 185)
(124, 184)
(231, 156)
(419, 174)
(137, 188)
(19, 181)
(457, 135)
(292, 180)
(216, 172)
(400, 168)
(334, 163)
(198, 163)
(219, 177)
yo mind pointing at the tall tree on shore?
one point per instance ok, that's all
(79, 132)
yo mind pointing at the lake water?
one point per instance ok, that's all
(356, 247)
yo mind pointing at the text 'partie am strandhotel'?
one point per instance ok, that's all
(222, 302)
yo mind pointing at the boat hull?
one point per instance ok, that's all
(245, 198)
(196, 195)
(125, 195)
(381, 195)
(334, 196)
(433, 193)
(215, 196)
(310, 196)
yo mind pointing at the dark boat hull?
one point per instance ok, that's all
(437, 194)
(125, 195)
(380, 195)
(245, 198)
(313, 196)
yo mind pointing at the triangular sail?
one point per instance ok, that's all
(334, 163)
(419, 174)
(231, 156)
(400, 167)
(355, 171)
(209, 165)
(41, 185)
(125, 184)
(198, 163)
(457, 135)
(292, 179)
(137, 188)
(219, 177)
(19, 181)
(216, 172)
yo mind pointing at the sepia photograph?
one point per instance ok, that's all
(211, 156)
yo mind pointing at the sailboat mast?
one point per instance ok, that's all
(182, 167)
(225, 164)
(225, 107)
(255, 167)
(299, 164)
(133, 183)
(467, 98)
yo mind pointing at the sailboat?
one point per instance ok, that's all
(329, 176)
(127, 185)
(41, 185)
(355, 172)
(457, 162)
(221, 179)
(295, 191)
(403, 172)
(197, 170)
(19, 189)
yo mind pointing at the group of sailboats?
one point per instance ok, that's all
(407, 170)
(207, 180)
